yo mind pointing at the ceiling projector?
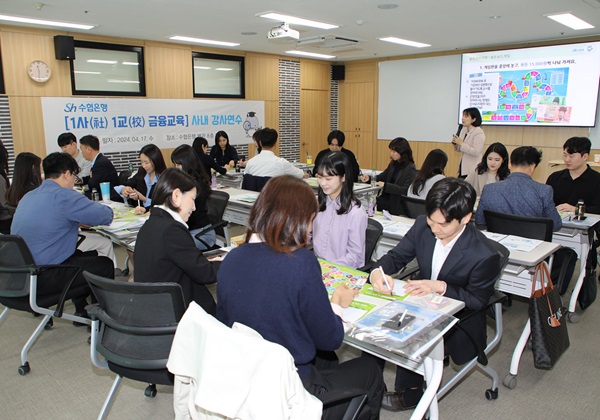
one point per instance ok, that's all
(283, 32)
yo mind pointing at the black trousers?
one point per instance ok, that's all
(409, 382)
(360, 373)
(53, 281)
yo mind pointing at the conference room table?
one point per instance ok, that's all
(241, 201)
(426, 360)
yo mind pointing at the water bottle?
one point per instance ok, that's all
(373, 177)
(371, 207)
(95, 195)
(213, 181)
(580, 210)
(130, 168)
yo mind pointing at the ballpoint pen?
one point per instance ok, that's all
(402, 317)
(385, 281)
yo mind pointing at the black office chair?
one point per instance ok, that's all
(413, 207)
(374, 232)
(495, 305)
(18, 290)
(216, 203)
(124, 175)
(133, 325)
(525, 226)
(254, 183)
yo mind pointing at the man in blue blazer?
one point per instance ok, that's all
(519, 194)
(455, 260)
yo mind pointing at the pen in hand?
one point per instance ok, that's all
(385, 281)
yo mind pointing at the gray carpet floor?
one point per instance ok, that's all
(63, 384)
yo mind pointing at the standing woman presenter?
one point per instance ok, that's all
(469, 141)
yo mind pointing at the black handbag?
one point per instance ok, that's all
(589, 289)
(549, 336)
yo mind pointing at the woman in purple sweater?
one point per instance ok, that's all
(273, 284)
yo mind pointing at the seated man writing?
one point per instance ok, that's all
(457, 261)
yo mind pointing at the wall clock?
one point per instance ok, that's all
(39, 71)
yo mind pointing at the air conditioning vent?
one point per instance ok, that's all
(327, 41)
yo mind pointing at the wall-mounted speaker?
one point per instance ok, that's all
(64, 47)
(338, 72)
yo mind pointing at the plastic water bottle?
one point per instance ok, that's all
(371, 207)
(213, 181)
(95, 195)
(130, 168)
(373, 177)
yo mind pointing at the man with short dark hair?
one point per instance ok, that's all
(48, 219)
(102, 169)
(519, 194)
(455, 260)
(266, 163)
(578, 181)
(68, 144)
(336, 140)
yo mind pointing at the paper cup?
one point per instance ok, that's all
(105, 191)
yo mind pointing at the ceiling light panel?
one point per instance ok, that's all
(297, 20)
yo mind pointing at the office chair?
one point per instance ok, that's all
(216, 204)
(133, 325)
(481, 361)
(254, 183)
(374, 232)
(124, 175)
(235, 373)
(413, 207)
(18, 290)
(525, 226)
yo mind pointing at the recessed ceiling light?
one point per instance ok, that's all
(309, 54)
(570, 20)
(495, 17)
(387, 6)
(223, 69)
(249, 33)
(296, 20)
(87, 72)
(202, 68)
(130, 63)
(404, 42)
(45, 22)
(204, 41)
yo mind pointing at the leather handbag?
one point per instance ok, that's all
(549, 336)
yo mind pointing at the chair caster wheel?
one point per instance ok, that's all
(529, 344)
(150, 391)
(24, 369)
(510, 381)
(572, 317)
(491, 394)
(49, 324)
(125, 272)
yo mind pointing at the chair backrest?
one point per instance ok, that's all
(374, 232)
(504, 253)
(124, 175)
(16, 266)
(254, 183)
(216, 205)
(525, 226)
(138, 321)
(413, 207)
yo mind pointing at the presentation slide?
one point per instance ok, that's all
(549, 86)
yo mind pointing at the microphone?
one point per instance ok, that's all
(460, 126)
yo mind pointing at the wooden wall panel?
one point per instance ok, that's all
(262, 77)
(27, 125)
(314, 122)
(18, 51)
(364, 71)
(315, 75)
(168, 72)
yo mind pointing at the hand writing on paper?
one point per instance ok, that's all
(378, 282)
(425, 287)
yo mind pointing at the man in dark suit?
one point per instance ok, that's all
(455, 260)
(336, 140)
(102, 169)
